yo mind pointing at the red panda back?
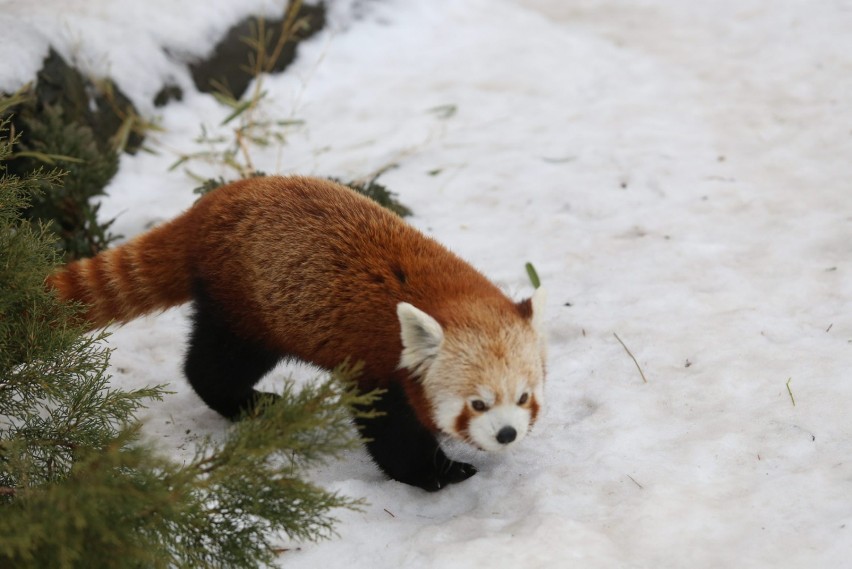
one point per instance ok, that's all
(305, 266)
(315, 270)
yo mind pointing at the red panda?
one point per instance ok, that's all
(295, 267)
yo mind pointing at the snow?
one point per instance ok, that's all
(678, 173)
(134, 43)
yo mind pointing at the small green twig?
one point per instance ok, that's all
(444, 111)
(632, 357)
(533, 275)
(790, 391)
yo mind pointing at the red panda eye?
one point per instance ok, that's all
(524, 398)
(478, 405)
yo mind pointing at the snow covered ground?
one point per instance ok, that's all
(679, 174)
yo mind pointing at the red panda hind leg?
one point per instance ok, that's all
(221, 366)
(404, 449)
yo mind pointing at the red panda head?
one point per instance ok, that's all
(483, 380)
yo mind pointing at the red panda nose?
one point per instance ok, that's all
(506, 435)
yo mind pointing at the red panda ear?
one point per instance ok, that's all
(539, 299)
(533, 309)
(421, 335)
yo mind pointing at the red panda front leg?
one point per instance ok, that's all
(404, 449)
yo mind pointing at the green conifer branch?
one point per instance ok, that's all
(77, 489)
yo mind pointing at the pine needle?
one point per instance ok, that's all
(790, 391)
(632, 357)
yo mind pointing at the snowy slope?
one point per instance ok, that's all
(678, 174)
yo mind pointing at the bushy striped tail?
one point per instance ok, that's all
(146, 274)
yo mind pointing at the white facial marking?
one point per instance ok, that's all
(446, 409)
(485, 429)
(485, 397)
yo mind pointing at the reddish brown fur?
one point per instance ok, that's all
(146, 274)
(294, 265)
(534, 408)
(524, 308)
(463, 421)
